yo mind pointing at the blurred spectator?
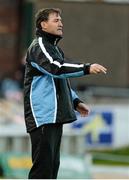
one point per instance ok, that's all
(10, 87)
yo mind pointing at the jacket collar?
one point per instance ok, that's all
(53, 39)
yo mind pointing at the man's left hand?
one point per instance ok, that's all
(83, 109)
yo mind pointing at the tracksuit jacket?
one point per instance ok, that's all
(48, 97)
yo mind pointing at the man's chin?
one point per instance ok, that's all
(59, 34)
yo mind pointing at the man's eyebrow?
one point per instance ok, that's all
(57, 18)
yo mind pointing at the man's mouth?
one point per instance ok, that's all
(60, 29)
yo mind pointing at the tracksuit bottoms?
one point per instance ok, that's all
(45, 142)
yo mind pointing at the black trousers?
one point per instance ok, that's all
(45, 142)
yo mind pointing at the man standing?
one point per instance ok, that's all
(49, 101)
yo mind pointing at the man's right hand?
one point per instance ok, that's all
(97, 68)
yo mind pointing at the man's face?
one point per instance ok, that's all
(53, 25)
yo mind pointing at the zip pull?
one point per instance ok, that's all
(55, 43)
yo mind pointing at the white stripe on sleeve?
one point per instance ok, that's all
(73, 65)
(44, 50)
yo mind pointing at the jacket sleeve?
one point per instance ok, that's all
(53, 66)
(75, 98)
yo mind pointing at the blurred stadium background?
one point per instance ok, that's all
(94, 31)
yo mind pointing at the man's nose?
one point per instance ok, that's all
(60, 24)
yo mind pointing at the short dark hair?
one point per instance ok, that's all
(43, 14)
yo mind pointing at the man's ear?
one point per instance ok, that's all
(43, 24)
